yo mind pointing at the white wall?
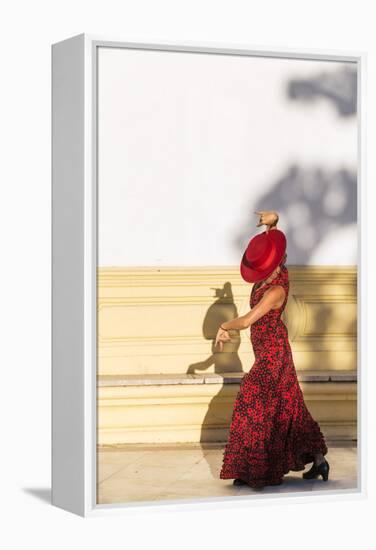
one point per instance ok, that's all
(191, 144)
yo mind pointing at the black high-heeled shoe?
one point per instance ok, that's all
(239, 481)
(322, 469)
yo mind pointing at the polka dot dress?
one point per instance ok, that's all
(271, 431)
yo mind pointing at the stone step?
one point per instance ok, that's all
(114, 380)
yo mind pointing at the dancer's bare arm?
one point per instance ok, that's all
(271, 299)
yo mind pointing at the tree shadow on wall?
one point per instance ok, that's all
(311, 203)
(338, 87)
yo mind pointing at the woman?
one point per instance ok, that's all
(272, 431)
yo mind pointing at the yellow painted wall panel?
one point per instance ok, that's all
(164, 320)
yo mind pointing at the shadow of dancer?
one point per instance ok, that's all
(216, 421)
(223, 309)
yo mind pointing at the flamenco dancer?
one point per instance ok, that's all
(271, 431)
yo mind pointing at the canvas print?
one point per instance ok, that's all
(227, 258)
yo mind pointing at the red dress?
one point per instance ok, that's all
(271, 431)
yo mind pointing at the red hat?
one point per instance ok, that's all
(263, 254)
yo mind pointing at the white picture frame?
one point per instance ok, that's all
(74, 263)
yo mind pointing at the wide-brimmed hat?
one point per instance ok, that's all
(263, 254)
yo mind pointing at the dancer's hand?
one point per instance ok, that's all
(267, 217)
(222, 336)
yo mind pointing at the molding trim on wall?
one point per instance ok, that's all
(202, 412)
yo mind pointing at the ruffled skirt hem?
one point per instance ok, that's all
(246, 466)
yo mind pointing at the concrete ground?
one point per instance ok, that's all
(144, 473)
